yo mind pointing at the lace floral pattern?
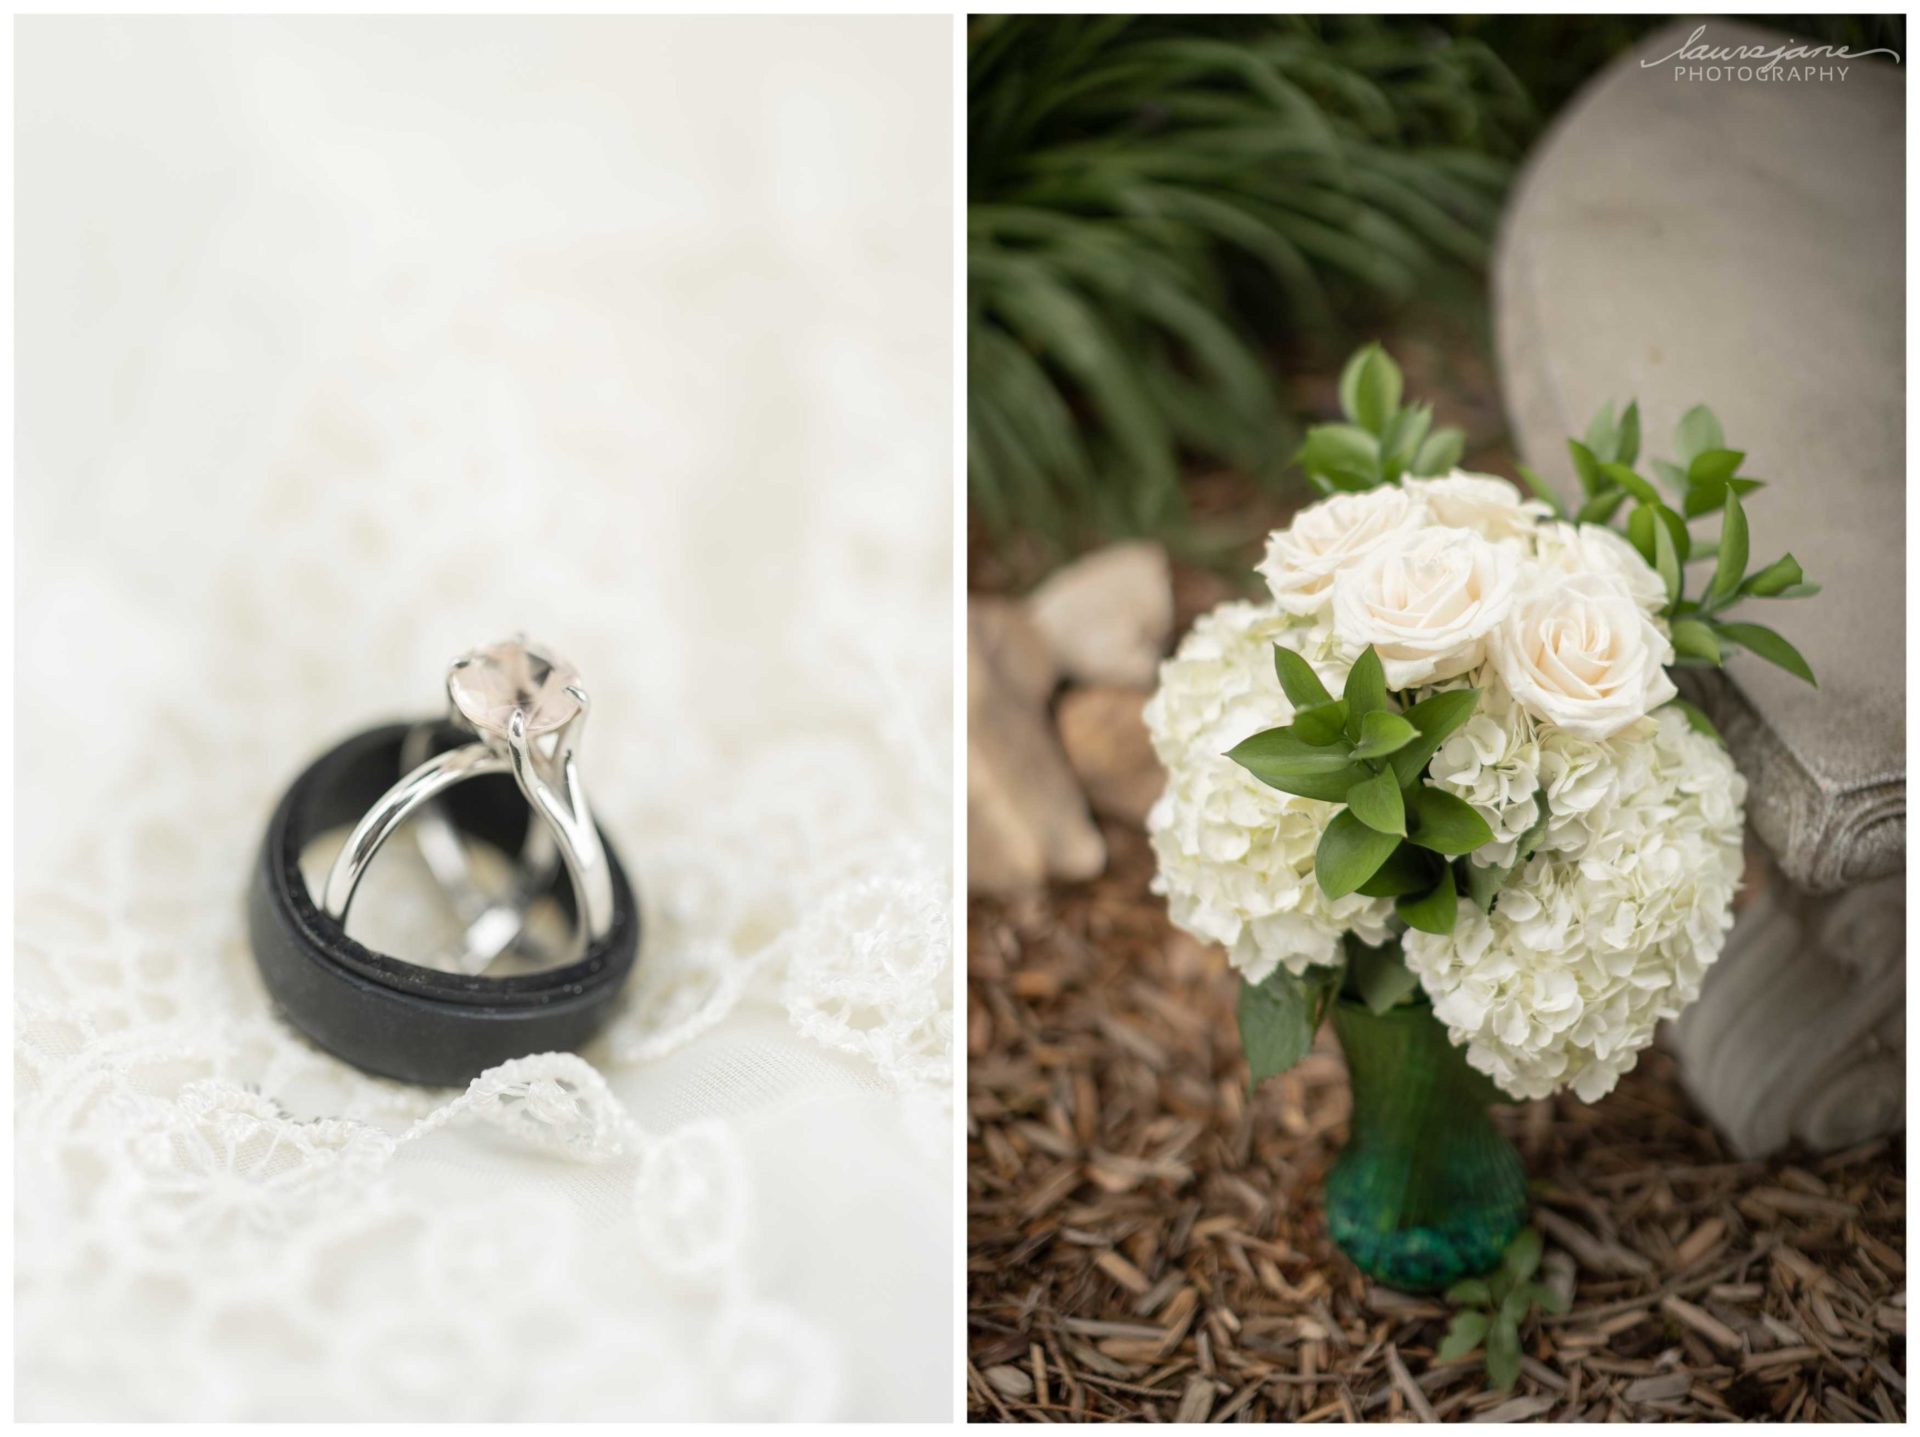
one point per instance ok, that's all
(214, 1219)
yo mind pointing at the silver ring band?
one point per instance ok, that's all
(493, 925)
(528, 712)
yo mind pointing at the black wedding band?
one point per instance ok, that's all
(398, 1019)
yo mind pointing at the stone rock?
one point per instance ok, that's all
(1027, 820)
(1106, 742)
(1015, 647)
(1107, 617)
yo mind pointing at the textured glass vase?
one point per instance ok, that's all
(1426, 1191)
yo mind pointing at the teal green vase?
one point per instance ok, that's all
(1426, 1191)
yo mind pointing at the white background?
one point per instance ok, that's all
(343, 345)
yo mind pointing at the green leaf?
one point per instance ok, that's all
(1439, 454)
(1627, 445)
(1370, 388)
(1703, 499)
(1298, 681)
(1640, 524)
(1586, 467)
(1714, 466)
(1470, 1291)
(1541, 490)
(1673, 476)
(1382, 733)
(1466, 1332)
(1503, 1352)
(1347, 456)
(1696, 718)
(1436, 717)
(1366, 691)
(1349, 390)
(1276, 1024)
(1601, 433)
(1280, 759)
(1446, 824)
(1400, 441)
(1797, 591)
(1676, 530)
(1731, 566)
(1631, 482)
(1695, 640)
(1349, 854)
(1697, 432)
(1376, 802)
(1435, 911)
(1484, 883)
(1522, 1257)
(1769, 583)
(1768, 645)
(1601, 507)
(1323, 724)
(1519, 1296)
(1666, 558)
(1407, 870)
(1379, 975)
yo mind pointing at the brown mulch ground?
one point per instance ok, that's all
(1146, 1243)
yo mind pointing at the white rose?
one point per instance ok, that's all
(1587, 548)
(1425, 601)
(1580, 653)
(1488, 505)
(1326, 537)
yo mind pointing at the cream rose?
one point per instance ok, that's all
(1425, 601)
(1579, 652)
(1586, 548)
(1489, 506)
(1324, 538)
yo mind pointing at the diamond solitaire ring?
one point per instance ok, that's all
(525, 709)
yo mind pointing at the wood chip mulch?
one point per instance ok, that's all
(1146, 1243)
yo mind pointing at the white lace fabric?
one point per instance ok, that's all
(347, 345)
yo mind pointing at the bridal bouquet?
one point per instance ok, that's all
(1440, 783)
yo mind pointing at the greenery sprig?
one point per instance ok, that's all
(1382, 441)
(1704, 480)
(1395, 836)
(1490, 1311)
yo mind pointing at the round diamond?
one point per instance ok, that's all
(489, 684)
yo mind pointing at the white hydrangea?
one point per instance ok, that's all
(1611, 926)
(1493, 761)
(1235, 856)
(1626, 898)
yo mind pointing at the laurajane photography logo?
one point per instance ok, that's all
(1791, 63)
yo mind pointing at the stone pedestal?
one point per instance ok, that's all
(1741, 243)
(1801, 1034)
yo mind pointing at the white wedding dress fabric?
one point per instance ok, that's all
(344, 345)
